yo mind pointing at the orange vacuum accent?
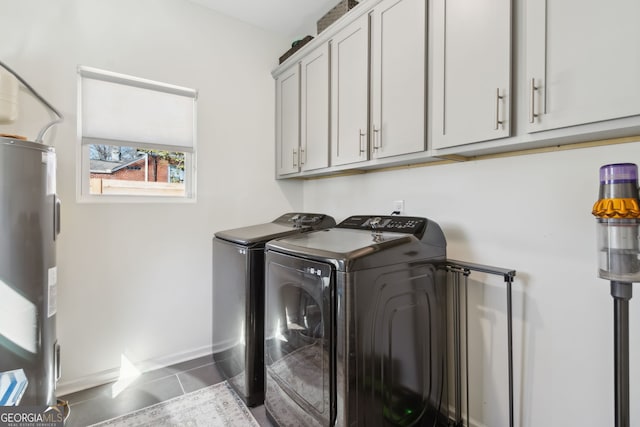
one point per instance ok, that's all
(616, 208)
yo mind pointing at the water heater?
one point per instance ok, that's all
(29, 226)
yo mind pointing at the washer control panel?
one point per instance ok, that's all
(391, 223)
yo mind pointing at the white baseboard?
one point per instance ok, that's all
(224, 345)
(109, 375)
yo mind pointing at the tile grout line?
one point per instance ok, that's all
(180, 383)
(197, 367)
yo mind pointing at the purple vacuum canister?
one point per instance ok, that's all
(619, 181)
(618, 211)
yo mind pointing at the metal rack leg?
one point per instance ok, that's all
(510, 350)
(456, 349)
(466, 340)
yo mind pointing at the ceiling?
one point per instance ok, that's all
(290, 18)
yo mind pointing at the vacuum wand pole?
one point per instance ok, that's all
(621, 293)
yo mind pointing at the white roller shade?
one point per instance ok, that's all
(124, 110)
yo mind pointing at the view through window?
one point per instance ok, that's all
(125, 170)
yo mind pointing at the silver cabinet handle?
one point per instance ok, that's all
(295, 154)
(532, 107)
(361, 134)
(376, 138)
(499, 97)
(303, 156)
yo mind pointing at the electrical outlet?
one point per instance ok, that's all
(398, 206)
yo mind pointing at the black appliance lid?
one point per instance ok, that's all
(285, 225)
(366, 241)
(338, 243)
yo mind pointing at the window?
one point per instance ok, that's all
(136, 138)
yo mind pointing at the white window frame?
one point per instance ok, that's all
(83, 141)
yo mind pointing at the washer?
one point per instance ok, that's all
(356, 325)
(238, 298)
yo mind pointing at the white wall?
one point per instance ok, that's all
(135, 279)
(533, 214)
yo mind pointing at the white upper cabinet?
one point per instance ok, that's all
(468, 77)
(582, 62)
(349, 93)
(471, 71)
(314, 109)
(398, 78)
(288, 121)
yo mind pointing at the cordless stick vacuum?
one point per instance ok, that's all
(618, 219)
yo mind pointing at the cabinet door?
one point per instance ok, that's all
(288, 120)
(314, 100)
(349, 93)
(398, 78)
(582, 62)
(472, 71)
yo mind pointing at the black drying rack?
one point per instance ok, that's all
(462, 270)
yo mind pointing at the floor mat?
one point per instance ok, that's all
(214, 406)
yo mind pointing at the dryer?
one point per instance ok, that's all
(355, 331)
(238, 298)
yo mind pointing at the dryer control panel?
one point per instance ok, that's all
(299, 220)
(391, 223)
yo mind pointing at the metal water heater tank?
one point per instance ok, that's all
(29, 225)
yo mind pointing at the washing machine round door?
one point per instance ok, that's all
(298, 354)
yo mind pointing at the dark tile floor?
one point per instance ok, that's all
(97, 404)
